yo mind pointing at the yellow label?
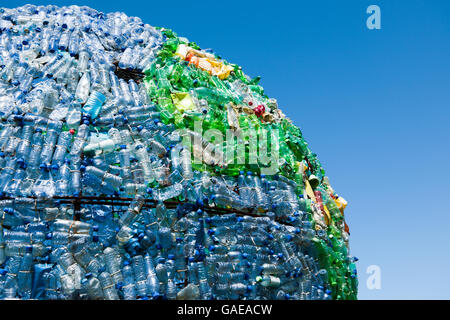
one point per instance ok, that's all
(182, 101)
(327, 215)
(309, 191)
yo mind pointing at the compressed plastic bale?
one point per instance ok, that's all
(135, 165)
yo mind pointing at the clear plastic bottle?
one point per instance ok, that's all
(25, 276)
(93, 287)
(108, 285)
(129, 291)
(140, 276)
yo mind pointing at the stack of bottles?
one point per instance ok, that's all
(101, 197)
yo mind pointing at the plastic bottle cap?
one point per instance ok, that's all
(101, 270)
(123, 146)
(29, 249)
(88, 275)
(161, 260)
(171, 257)
(126, 263)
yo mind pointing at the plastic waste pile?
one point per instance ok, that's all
(135, 165)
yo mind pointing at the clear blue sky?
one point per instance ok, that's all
(373, 104)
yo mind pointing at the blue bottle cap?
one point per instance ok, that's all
(191, 259)
(49, 236)
(241, 172)
(101, 270)
(88, 275)
(54, 167)
(126, 263)
(171, 257)
(29, 249)
(161, 260)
